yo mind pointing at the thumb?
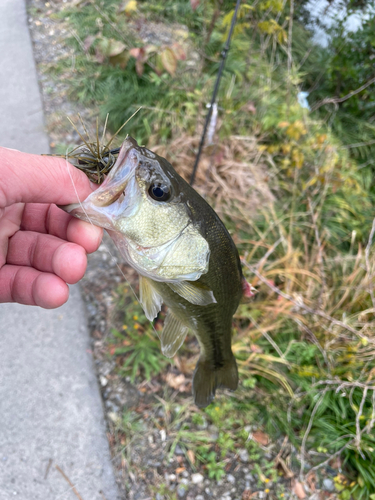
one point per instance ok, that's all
(32, 178)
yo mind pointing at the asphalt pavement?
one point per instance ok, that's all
(51, 414)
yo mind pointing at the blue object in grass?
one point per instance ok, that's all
(302, 100)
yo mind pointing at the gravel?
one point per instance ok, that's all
(328, 484)
(197, 478)
(244, 455)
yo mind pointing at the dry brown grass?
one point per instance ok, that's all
(232, 174)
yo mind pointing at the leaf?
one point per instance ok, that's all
(179, 51)
(299, 490)
(194, 4)
(150, 48)
(108, 47)
(128, 6)
(261, 438)
(140, 54)
(175, 381)
(191, 456)
(135, 52)
(120, 60)
(101, 49)
(89, 40)
(116, 47)
(159, 65)
(139, 67)
(169, 60)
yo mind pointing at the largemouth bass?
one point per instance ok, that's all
(183, 253)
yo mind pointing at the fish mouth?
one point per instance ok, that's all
(110, 190)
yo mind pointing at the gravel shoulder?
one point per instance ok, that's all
(46, 371)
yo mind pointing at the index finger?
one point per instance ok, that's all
(43, 179)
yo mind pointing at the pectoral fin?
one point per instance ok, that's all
(149, 298)
(193, 293)
(173, 335)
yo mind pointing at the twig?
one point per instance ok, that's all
(48, 468)
(338, 100)
(305, 436)
(69, 482)
(269, 252)
(314, 340)
(270, 340)
(290, 59)
(351, 441)
(80, 43)
(332, 456)
(106, 17)
(367, 260)
(341, 384)
(371, 423)
(320, 253)
(304, 58)
(306, 308)
(358, 145)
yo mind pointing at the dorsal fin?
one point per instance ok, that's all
(149, 298)
(193, 293)
(173, 335)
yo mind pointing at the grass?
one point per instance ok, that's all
(300, 211)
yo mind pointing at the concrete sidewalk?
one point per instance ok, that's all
(50, 406)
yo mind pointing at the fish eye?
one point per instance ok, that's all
(159, 192)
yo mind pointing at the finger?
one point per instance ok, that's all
(48, 254)
(10, 219)
(44, 218)
(31, 287)
(44, 179)
(84, 234)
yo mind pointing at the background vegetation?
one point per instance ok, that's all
(293, 182)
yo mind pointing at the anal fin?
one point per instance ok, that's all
(206, 380)
(149, 298)
(173, 335)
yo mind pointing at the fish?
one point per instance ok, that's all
(183, 253)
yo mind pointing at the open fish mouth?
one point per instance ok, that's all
(110, 192)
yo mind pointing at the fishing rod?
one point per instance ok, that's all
(224, 54)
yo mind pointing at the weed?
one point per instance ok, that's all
(135, 343)
(216, 470)
(305, 346)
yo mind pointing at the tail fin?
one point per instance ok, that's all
(206, 380)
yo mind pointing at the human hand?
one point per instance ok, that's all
(42, 248)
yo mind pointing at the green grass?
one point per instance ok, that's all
(305, 344)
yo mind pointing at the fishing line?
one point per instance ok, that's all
(224, 54)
